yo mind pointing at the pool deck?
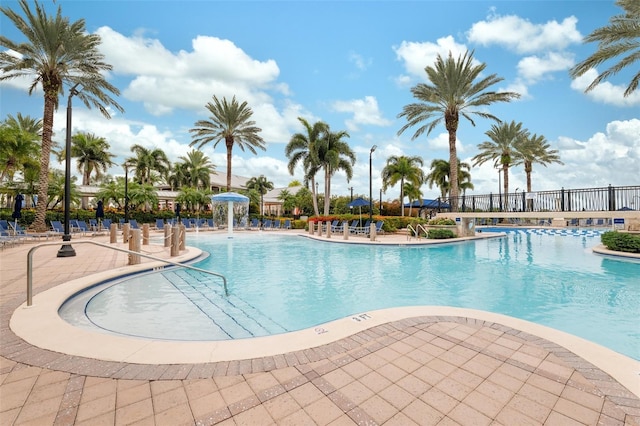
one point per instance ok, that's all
(419, 365)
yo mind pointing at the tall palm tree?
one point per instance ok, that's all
(332, 154)
(178, 176)
(299, 150)
(619, 39)
(401, 169)
(18, 144)
(413, 193)
(56, 53)
(502, 149)
(198, 169)
(536, 149)
(112, 191)
(229, 122)
(452, 92)
(93, 155)
(262, 185)
(147, 161)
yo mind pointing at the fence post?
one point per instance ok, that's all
(126, 228)
(612, 198)
(113, 233)
(183, 237)
(562, 199)
(175, 241)
(319, 228)
(372, 232)
(345, 230)
(328, 229)
(167, 235)
(145, 234)
(491, 201)
(134, 245)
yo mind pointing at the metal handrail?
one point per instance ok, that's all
(415, 232)
(33, 249)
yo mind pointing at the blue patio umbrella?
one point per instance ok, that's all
(359, 202)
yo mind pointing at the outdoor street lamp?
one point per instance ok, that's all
(126, 192)
(66, 250)
(373, 148)
(500, 188)
(351, 189)
(380, 200)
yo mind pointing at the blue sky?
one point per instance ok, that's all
(351, 64)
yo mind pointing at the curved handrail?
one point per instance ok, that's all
(416, 232)
(33, 249)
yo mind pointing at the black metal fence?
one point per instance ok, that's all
(609, 198)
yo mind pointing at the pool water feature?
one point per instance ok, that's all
(280, 283)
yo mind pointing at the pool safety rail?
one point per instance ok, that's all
(415, 232)
(130, 252)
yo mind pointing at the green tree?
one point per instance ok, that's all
(413, 193)
(198, 169)
(93, 157)
(452, 92)
(147, 162)
(229, 122)
(402, 169)
(439, 176)
(535, 149)
(333, 154)
(56, 53)
(193, 198)
(299, 151)
(144, 195)
(619, 39)
(19, 146)
(502, 149)
(262, 185)
(55, 194)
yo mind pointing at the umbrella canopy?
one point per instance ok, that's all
(428, 204)
(17, 207)
(100, 210)
(359, 202)
(230, 196)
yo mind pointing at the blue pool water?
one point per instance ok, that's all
(280, 283)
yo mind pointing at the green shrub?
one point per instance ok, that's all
(442, 221)
(620, 241)
(440, 234)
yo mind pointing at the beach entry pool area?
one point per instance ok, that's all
(280, 283)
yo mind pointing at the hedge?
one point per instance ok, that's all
(621, 241)
(440, 234)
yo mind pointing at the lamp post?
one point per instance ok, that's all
(351, 189)
(380, 200)
(373, 148)
(500, 188)
(67, 250)
(126, 192)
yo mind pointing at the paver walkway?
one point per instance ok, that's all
(423, 370)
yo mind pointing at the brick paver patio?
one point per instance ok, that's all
(428, 370)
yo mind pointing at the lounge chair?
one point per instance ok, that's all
(82, 225)
(57, 227)
(159, 224)
(378, 225)
(287, 224)
(266, 224)
(275, 224)
(363, 229)
(353, 226)
(211, 224)
(255, 223)
(106, 224)
(134, 224)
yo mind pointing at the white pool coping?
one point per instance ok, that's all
(41, 326)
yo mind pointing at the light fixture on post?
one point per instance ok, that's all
(373, 148)
(351, 189)
(67, 250)
(126, 191)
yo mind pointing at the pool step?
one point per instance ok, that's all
(235, 318)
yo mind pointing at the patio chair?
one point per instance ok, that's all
(287, 224)
(378, 225)
(275, 224)
(267, 224)
(106, 224)
(255, 223)
(134, 224)
(57, 227)
(363, 229)
(159, 224)
(211, 224)
(353, 226)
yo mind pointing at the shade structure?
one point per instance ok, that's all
(230, 198)
(359, 202)
(428, 204)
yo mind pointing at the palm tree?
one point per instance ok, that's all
(299, 150)
(93, 155)
(535, 149)
(229, 122)
(502, 149)
(262, 186)
(620, 37)
(198, 169)
(56, 52)
(18, 144)
(452, 93)
(439, 176)
(112, 191)
(143, 194)
(179, 176)
(413, 193)
(147, 161)
(332, 154)
(401, 169)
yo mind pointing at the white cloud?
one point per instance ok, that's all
(605, 92)
(365, 111)
(523, 36)
(360, 61)
(535, 68)
(416, 56)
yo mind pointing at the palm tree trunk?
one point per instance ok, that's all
(229, 143)
(402, 197)
(505, 175)
(327, 191)
(39, 223)
(315, 196)
(453, 170)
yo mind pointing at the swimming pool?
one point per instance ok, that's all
(280, 283)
